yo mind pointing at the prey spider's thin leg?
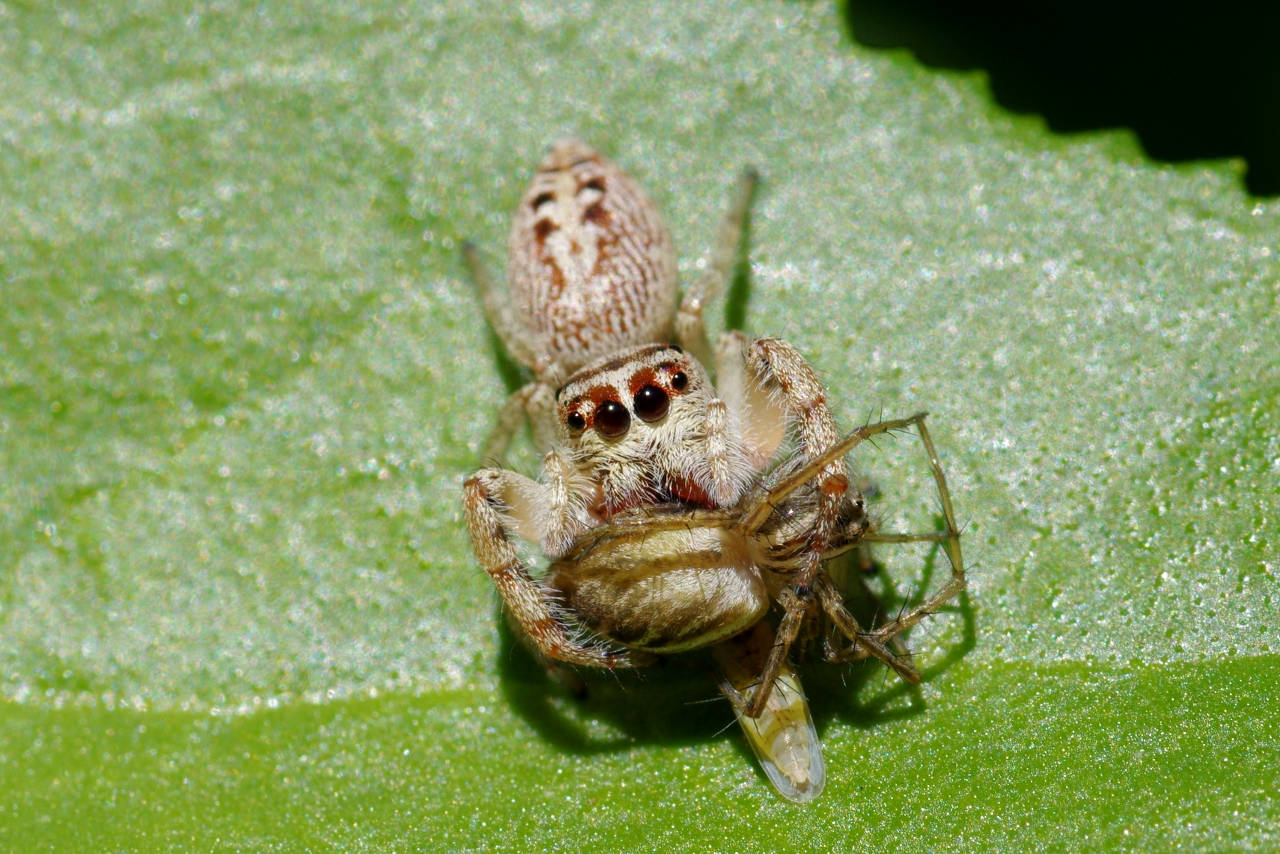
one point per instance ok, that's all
(690, 329)
(864, 644)
(895, 643)
(950, 539)
(780, 491)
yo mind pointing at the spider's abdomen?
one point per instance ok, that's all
(664, 592)
(592, 266)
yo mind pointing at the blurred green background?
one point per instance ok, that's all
(242, 377)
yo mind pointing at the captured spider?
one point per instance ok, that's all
(644, 442)
(670, 576)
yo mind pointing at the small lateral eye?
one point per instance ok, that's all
(596, 184)
(651, 403)
(575, 421)
(540, 200)
(612, 419)
(679, 381)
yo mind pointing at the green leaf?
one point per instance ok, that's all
(242, 378)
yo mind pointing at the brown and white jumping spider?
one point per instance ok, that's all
(591, 272)
(638, 434)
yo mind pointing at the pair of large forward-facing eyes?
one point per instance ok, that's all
(650, 403)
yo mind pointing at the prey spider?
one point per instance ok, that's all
(667, 577)
(639, 440)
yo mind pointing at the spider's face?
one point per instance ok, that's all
(637, 422)
(631, 399)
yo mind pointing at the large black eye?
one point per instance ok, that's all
(612, 418)
(575, 421)
(679, 380)
(651, 403)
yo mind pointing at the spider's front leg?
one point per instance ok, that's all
(777, 391)
(499, 503)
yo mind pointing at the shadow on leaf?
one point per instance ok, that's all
(1190, 84)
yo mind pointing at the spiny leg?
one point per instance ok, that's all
(535, 401)
(486, 495)
(844, 581)
(690, 329)
(782, 490)
(795, 607)
(950, 539)
(864, 644)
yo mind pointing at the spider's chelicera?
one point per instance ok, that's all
(667, 519)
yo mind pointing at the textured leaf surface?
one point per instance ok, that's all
(242, 378)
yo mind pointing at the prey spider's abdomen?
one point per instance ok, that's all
(663, 592)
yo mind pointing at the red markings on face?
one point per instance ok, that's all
(641, 378)
(668, 376)
(648, 394)
(542, 230)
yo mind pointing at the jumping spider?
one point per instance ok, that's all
(666, 524)
(592, 272)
